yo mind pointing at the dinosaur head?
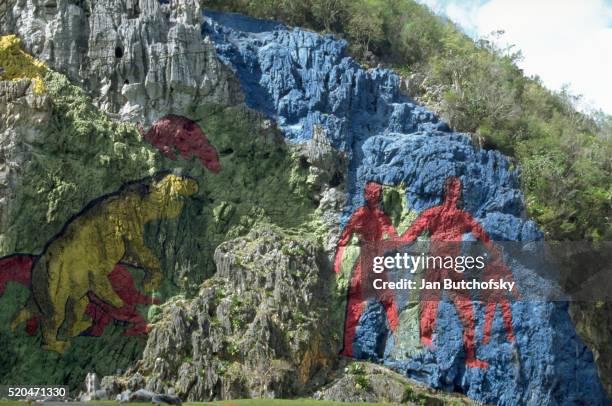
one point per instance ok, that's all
(173, 133)
(167, 195)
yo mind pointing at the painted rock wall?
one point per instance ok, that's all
(307, 83)
(66, 167)
(144, 205)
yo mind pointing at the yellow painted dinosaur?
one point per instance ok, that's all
(78, 260)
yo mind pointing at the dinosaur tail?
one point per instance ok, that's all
(17, 268)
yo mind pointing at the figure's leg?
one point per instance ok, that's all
(427, 321)
(80, 325)
(387, 298)
(489, 315)
(52, 321)
(464, 307)
(430, 299)
(102, 288)
(139, 325)
(507, 315)
(354, 309)
(99, 319)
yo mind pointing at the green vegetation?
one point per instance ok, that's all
(17, 64)
(411, 395)
(23, 361)
(360, 376)
(283, 402)
(565, 155)
(79, 155)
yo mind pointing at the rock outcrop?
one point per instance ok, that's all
(365, 382)
(592, 320)
(22, 114)
(260, 327)
(139, 60)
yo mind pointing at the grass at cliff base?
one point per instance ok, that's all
(240, 402)
(281, 402)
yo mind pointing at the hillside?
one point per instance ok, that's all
(477, 88)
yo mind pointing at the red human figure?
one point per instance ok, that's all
(179, 133)
(446, 225)
(497, 270)
(102, 313)
(370, 224)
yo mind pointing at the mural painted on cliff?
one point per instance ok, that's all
(446, 225)
(18, 269)
(79, 271)
(172, 133)
(303, 81)
(80, 282)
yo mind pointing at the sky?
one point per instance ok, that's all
(562, 41)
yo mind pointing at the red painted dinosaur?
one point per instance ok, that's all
(102, 313)
(177, 133)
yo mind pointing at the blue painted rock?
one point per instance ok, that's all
(305, 81)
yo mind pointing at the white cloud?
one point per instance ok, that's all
(462, 12)
(464, 16)
(563, 41)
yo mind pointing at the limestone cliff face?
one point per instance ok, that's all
(63, 153)
(22, 113)
(248, 305)
(139, 60)
(256, 328)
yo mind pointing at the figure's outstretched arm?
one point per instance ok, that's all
(417, 228)
(496, 259)
(478, 231)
